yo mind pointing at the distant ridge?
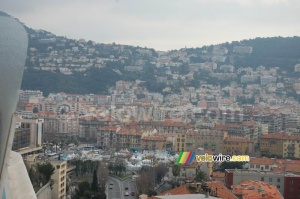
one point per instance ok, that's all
(4, 14)
(59, 64)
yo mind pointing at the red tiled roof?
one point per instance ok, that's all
(280, 136)
(47, 113)
(221, 190)
(250, 123)
(164, 134)
(235, 139)
(262, 161)
(254, 189)
(153, 138)
(177, 191)
(218, 174)
(129, 132)
(109, 128)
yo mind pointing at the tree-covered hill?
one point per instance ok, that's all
(59, 64)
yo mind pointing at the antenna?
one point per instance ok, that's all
(13, 50)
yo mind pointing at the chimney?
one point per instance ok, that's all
(207, 194)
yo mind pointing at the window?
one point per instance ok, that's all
(251, 166)
(267, 166)
(270, 179)
(278, 186)
(278, 179)
(291, 182)
(257, 166)
(262, 179)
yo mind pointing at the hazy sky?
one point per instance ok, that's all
(160, 24)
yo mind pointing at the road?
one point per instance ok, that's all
(118, 190)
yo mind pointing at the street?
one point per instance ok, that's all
(118, 191)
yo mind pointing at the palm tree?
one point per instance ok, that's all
(110, 167)
(44, 148)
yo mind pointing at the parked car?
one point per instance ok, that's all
(126, 193)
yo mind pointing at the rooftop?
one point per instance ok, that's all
(256, 189)
(280, 136)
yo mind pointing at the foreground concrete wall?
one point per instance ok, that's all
(18, 179)
(45, 192)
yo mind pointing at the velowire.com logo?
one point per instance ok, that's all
(188, 157)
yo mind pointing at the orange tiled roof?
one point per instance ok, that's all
(280, 136)
(177, 191)
(164, 134)
(262, 161)
(221, 190)
(235, 139)
(153, 138)
(254, 189)
(221, 127)
(250, 123)
(129, 132)
(218, 174)
(109, 128)
(47, 113)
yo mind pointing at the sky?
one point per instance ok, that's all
(159, 24)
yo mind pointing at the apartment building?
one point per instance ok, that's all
(57, 106)
(21, 139)
(169, 139)
(180, 144)
(28, 136)
(24, 95)
(236, 176)
(287, 183)
(247, 129)
(211, 140)
(274, 164)
(280, 144)
(237, 146)
(60, 179)
(153, 143)
(89, 125)
(292, 186)
(166, 126)
(67, 123)
(129, 139)
(274, 122)
(107, 137)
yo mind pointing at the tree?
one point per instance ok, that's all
(95, 185)
(201, 176)
(35, 110)
(231, 165)
(160, 172)
(102, 174)
(63, 111)
(82, 188)
(47, 170)
(84, 191)
(142, 183)
(176, 170)
(110, 167)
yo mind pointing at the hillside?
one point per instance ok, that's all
(59, 64)
(269, 52)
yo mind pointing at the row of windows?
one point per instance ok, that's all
(258, 166)
(270, 179)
